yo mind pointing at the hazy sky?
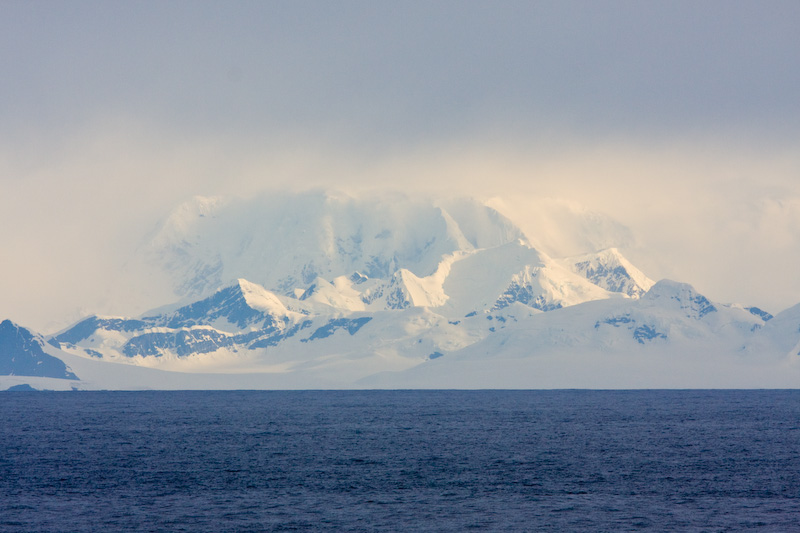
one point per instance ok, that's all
(679, 119)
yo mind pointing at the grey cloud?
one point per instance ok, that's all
(405, 73)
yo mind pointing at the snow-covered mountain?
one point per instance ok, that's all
(672, 337)
(373, 252)
(327, 290)
(243, 336)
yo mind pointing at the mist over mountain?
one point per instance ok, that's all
(284, 241)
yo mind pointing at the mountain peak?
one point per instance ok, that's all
(610, 270)
(241, 304)
(673, 293)
(259, 298)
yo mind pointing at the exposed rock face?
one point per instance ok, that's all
(22, 354)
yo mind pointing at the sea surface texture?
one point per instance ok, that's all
(400, 461)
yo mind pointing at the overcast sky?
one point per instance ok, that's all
(679, 119)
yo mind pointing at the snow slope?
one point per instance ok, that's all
(671, 337)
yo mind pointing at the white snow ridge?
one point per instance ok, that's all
(327, 290)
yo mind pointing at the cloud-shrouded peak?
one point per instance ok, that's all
(283, 241)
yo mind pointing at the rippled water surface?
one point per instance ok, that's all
(407, 460)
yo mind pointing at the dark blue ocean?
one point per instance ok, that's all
(400, 461)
